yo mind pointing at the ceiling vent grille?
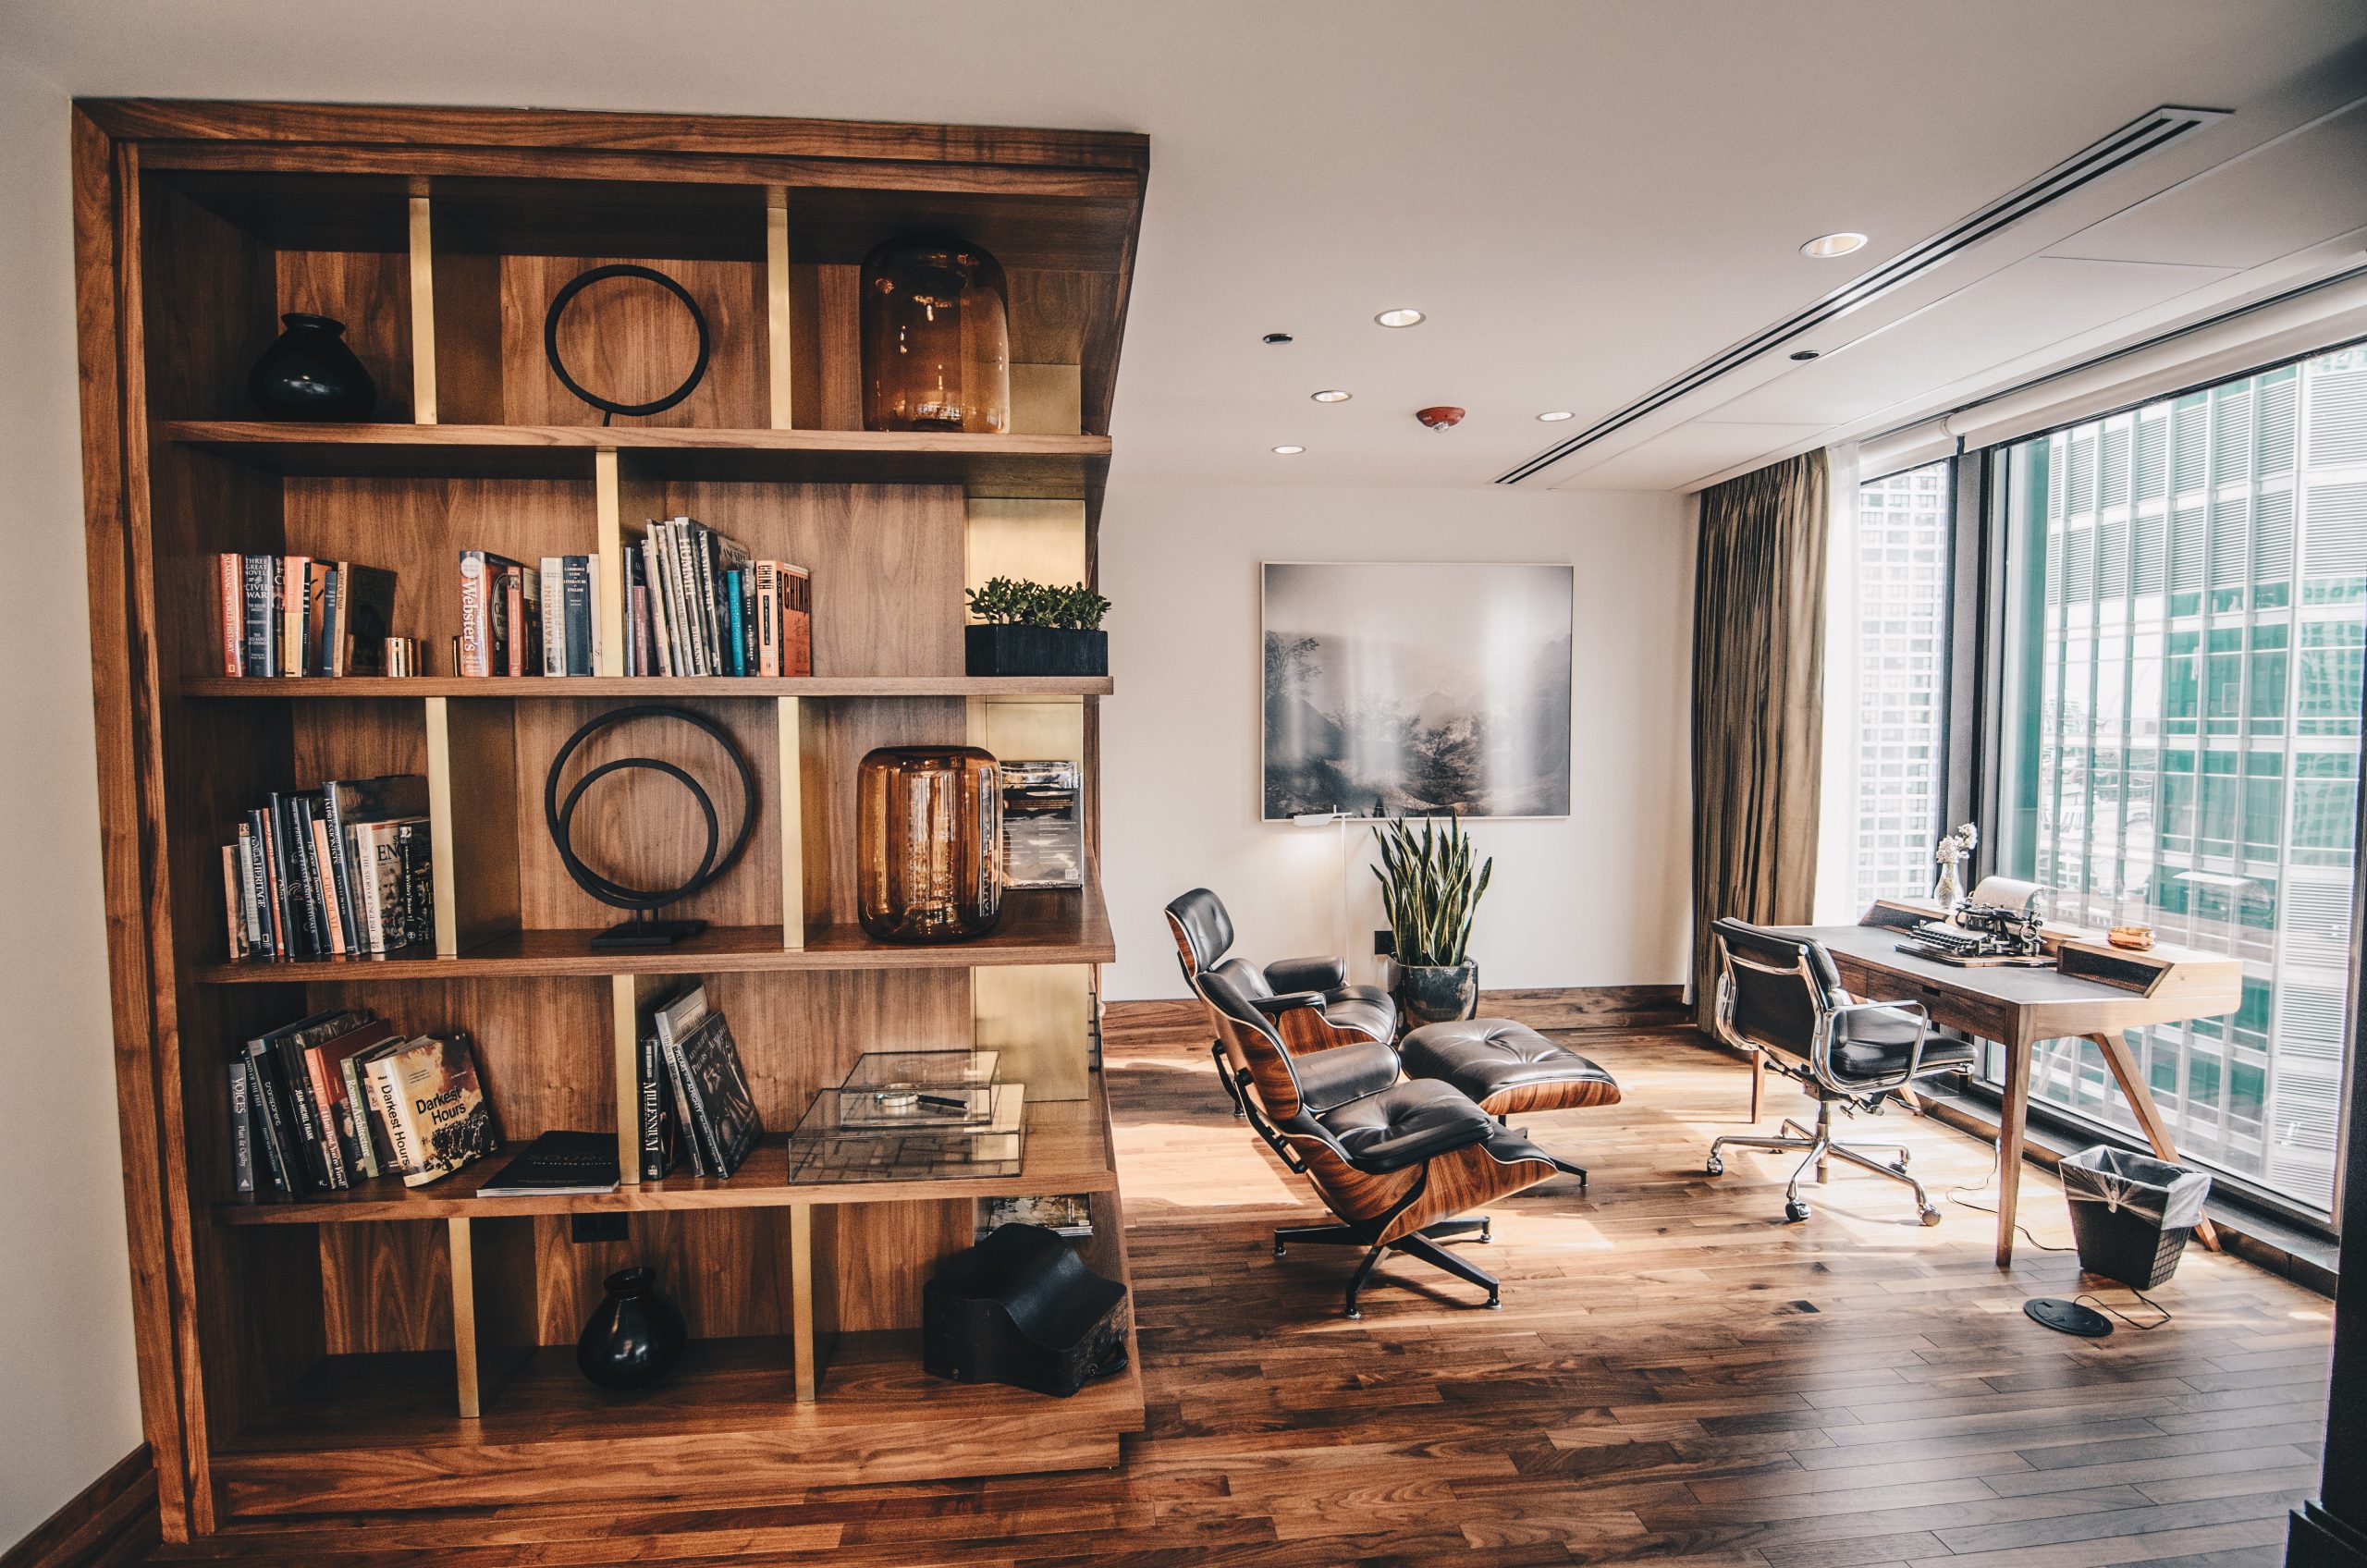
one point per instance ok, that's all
(2145, 135)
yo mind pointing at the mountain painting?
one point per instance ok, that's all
(1405, 690)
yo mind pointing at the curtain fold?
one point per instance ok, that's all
(1757, 703)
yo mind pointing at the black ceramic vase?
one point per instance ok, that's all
(1439, 994)
(310, 373)
(634, 1336)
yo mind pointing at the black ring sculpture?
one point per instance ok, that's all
(624, 269)
(645, 930)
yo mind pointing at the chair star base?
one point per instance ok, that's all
(1422, 1244)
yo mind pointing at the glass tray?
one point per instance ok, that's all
(824, 1149)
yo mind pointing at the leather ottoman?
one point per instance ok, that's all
(1506, 1067)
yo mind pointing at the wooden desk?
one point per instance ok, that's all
(2020, 1008)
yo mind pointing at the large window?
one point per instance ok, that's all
(1901, 605)
(2186, 598)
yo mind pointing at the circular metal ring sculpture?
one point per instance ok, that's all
(645, 930)
(582, 281)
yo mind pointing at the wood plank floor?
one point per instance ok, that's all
(1677, 1378)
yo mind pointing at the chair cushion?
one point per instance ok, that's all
(1405, 1124)
(1350, 1008)
(1875, 1042)
(1504, 1065)
(1306, 974)
(1333, 1077)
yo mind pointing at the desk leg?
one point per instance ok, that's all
(1757, 1083)
(2149, 1116)
(2011, 1116)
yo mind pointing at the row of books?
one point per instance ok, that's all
(293, 615)
(695, 604)
(343, 869)
(693, 1100)
(340, 1098)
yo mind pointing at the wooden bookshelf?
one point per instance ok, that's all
(387, 1347)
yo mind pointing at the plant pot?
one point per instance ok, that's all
(1035, 650)
(309, 374)
(634, 1336)
(1435, 993)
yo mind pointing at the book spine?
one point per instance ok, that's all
(272, 1120)
(357, 1102)
(746, 600)
(251, 896)
(386, 1096)
(686, 1084)
(324, 622)
(262, 614)
(767, 618)
(653, 1111)
(708, 575)
(289, 1061)
(231, 576)
(343, 881)
(316, 1084)
(796, 623)
(242, 1131)
(685, 1132)
(555, 623)
(418, 869)
(233, 906)
(736, 634)
(654, 580)
(259, 871)
(692, 625)
(289, 934)
(578, 650)
(337, 624)
(332, 904)
(476, 628)
(362, 850)
(306, 878)
(513, 649)
(294, 584)
(639, 650)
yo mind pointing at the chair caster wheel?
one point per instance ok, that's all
(1716, 1167)
(1795, 1211)
(1930, 1218)
(1281, 1251)
(1355, 1315)
(1486, 1235)
(1495, 1304)
(1902, 1159)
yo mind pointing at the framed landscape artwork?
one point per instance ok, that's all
(1414, 689)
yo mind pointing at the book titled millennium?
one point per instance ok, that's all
(340, 871)
(293, 615)
(696, 604)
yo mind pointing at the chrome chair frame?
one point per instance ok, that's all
(1818, 1145)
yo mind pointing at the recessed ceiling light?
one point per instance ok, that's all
(1404, 317)
(1275, 338)
(1288, 451)
(1556, 416)
(1332, 395)
(1824, 247)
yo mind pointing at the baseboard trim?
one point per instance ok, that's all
(1179, 1021)
(110, 1522)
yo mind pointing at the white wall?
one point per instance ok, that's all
(68, 1388)
(1598, 899)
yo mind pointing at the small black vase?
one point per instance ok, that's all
(634, 1336)
(309, 374)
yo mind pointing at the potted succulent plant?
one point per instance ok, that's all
(1430, 892)
(1037, 629)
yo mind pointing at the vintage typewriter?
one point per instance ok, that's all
(1985, 936)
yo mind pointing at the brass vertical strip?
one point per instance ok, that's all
(624, 1027)
(776, 302)
(792, 812)
(440, 822)
(422, 315)
(608, 500)
(800, 1301)
(467, 1358)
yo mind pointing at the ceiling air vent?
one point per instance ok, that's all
(2148, 134)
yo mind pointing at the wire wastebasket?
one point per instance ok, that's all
(2131, 1214)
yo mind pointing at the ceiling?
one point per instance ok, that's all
(1586, 198)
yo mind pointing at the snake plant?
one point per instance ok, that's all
(1428, 891)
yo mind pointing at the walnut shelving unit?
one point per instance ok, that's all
(386, 1347)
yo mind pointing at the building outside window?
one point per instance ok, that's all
(2186, 623)
(1901, 591)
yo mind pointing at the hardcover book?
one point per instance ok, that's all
(723, 1112)
(434, 1107)
(362, 620)
(557, 1163)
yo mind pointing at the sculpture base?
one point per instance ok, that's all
(646, 934)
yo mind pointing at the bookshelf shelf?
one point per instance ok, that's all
(650, 686)
(1026, 467)
(386, 1348)
(1068, 1151)
(1038, 927)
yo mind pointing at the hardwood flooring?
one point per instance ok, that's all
(1677, 1378)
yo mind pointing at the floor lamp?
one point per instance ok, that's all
(1338, 820)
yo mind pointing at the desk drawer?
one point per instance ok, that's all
(1986, 1018)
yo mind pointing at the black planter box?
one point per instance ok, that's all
(1035, 650)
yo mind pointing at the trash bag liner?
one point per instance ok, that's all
(2169, 1195)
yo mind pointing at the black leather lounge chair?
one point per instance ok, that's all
(1399, 1161)
(1203, 932)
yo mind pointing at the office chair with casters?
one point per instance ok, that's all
(1400, 1162)
(1345, 1014)
(1779, 998)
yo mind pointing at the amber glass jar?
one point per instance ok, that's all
(936, 338)
(928, 842)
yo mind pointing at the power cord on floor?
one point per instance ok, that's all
(2148, 1327)
(1955, 1196)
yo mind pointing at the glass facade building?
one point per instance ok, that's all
(2186, 616)
(1901, 596)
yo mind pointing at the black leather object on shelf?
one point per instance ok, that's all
(1021, 1307)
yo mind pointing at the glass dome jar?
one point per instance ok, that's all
(928, 843)
(936, 338)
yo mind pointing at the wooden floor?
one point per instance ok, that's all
(1677, 1378)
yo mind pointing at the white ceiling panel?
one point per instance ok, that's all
(2027, 306)
(2295, 191)
(1675, 458)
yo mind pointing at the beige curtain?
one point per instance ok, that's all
(1758, 693)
